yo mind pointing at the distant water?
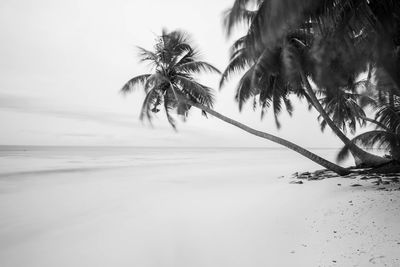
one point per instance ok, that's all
(43, 160)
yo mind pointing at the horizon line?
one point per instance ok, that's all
(139, 146)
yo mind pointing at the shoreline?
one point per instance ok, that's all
(390, 179)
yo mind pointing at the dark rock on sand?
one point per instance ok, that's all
(296, 182)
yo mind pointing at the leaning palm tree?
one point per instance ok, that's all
(173, 86)
(291, 58)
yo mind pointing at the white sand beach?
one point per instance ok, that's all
(183, 207)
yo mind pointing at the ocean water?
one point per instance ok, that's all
(45, 160)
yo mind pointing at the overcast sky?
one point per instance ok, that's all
(63, 63)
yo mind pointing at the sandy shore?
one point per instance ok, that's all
(164, 217)
(357, 223)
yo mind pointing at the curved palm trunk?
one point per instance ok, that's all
(361, 157)
(317, 159)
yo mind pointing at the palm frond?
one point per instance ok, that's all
(277, 108)
(381, 139)
(146, 55)
(237, 45)
(245, 89)
(196, 67)
(135, 81)
(288, 105)
(343, 154)
(169, 104)
(199, 93)
(291, 64)
(149, 100)
(389, 116)
(239, 62)
(237, 14)
(186, 56)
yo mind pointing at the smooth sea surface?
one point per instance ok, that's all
(25, 161)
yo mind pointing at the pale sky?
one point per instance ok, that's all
(63, 63)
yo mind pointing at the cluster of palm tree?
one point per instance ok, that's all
(311, 49)
(329, 42)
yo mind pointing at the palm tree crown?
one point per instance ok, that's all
(174, 61)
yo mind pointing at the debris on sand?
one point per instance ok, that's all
(296, 182)
(361, 175)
